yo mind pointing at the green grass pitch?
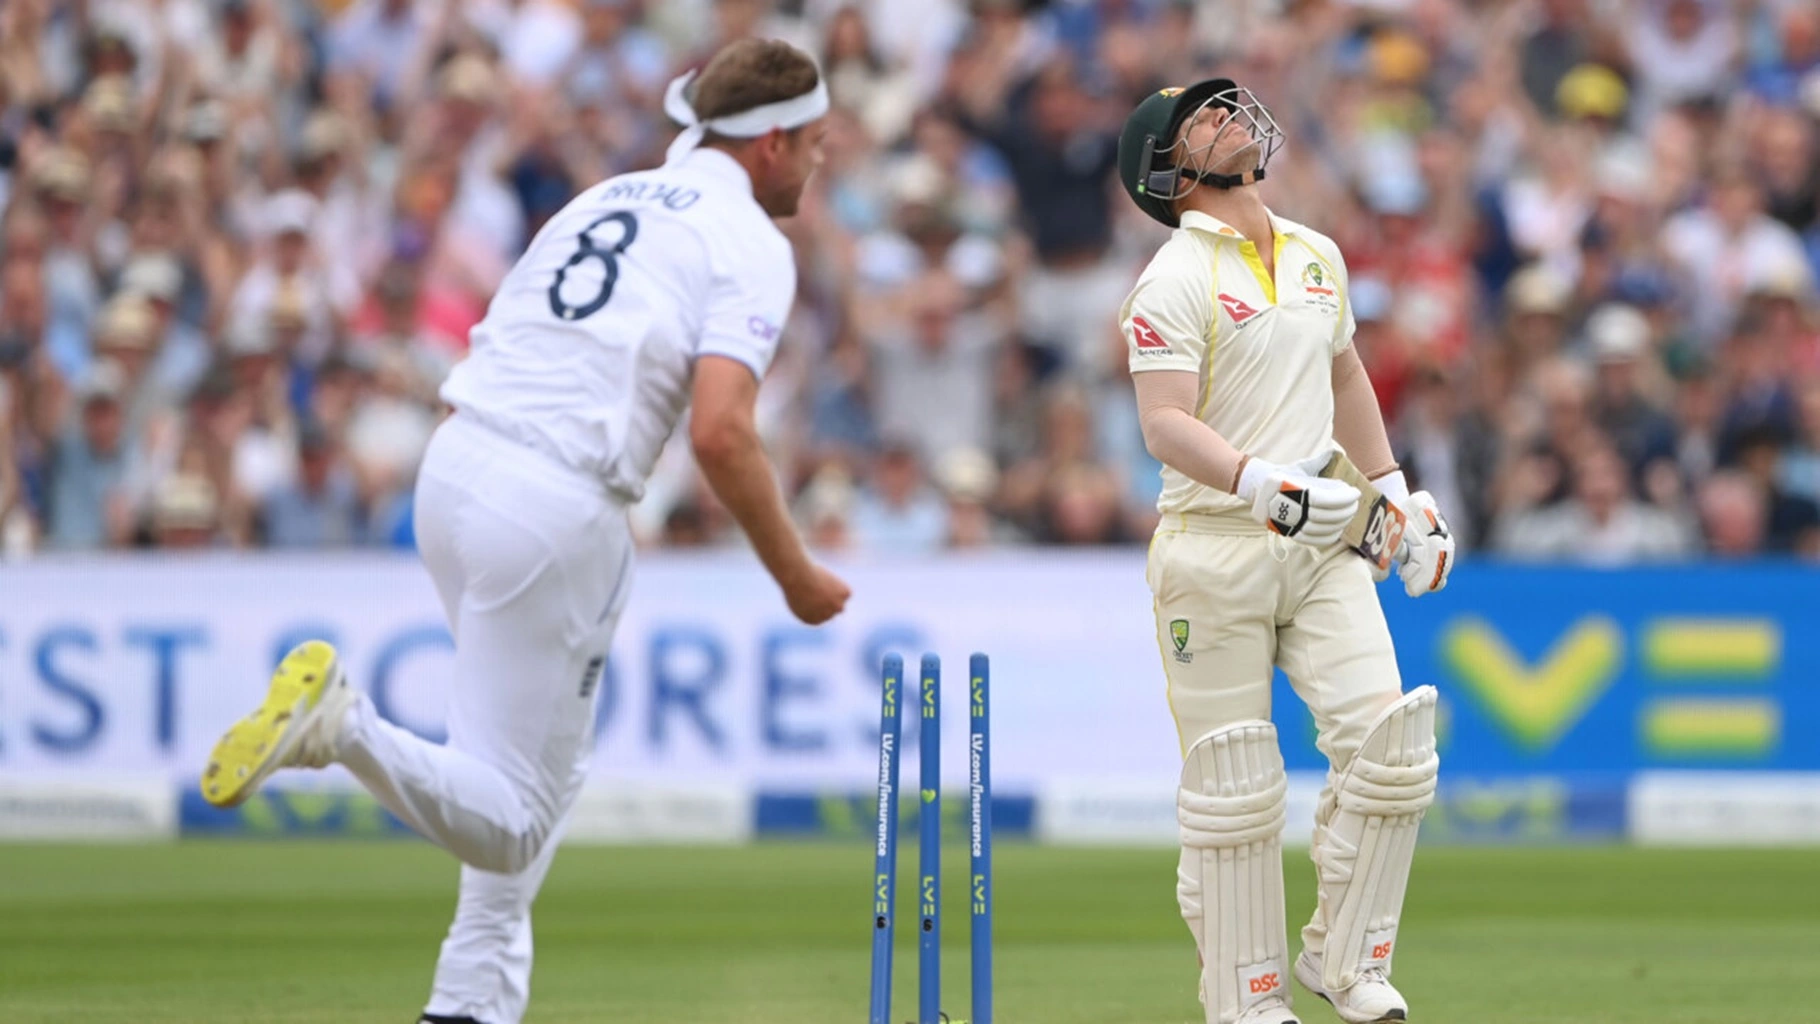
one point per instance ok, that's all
(254, 932)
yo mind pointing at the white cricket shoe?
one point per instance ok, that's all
(298, 726)
(1370, 1000)
(1272, 1010)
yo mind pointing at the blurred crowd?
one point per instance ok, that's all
(243, 240)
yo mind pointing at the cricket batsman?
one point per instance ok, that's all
(1240, 341)
(650, 293)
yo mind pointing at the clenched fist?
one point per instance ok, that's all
(816, 596)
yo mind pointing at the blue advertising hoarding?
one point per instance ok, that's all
(1561, 687)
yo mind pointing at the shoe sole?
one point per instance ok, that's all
(1393, 1017)
(254, 747)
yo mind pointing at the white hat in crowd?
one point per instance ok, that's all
(1617, 333)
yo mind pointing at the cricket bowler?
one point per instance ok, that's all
(1239, 334)
(650, 293)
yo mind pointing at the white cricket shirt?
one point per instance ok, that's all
(1263, 347)
(587, 349)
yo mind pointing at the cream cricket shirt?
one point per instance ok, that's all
(1263, 348)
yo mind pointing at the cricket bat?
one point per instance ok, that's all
(1376, 529)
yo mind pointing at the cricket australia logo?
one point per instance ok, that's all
(1318, 290)
(1178, 634)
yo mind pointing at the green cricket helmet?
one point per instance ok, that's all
(1157, 168)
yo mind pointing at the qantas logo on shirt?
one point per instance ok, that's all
(1236, 308)
(1146, 337)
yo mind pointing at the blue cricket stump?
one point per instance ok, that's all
(979, 790)
(884, 864)
(929, 823)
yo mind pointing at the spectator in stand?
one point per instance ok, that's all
(1061, 145)
(181, 353)
(826, 508)
(860, 80)
(1784, 156)
(1562, 38)
(89, 506)
(1063, 494)
(968, 480)
(1780, 75)
(35, 388)
(185, 514)
(1681, 51)
(1732, 516)
(898, 512)
(378, 43)
(61, 177)
(1441, 454)
(322, 508)
(264, 457)
(1725, 245)
(1799, 470)
(1627, 372)
(1791, 521)
(1535, 319)
(1602, 524)
(941, 359)
(346, 206)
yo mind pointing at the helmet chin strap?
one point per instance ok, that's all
(1224, 180)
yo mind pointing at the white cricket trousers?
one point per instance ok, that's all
(1246, 602)
(532, 562)
(1233, 602)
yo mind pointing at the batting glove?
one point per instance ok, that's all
(1428, 547)
(1296, 501)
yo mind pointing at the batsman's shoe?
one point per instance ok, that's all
(1370, 1000)
(1272, 1010)
(299, 725)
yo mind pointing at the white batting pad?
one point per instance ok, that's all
(1365, 851)
(1231, 807)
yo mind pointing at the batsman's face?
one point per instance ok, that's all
(1218, 140)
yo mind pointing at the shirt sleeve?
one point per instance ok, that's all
(1167, 320)
(1348, 325)
(747, 309)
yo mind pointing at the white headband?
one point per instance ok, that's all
(747, 124)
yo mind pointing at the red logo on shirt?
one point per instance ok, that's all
(1146, 335)
(1236, 308)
